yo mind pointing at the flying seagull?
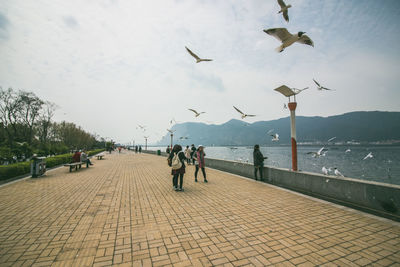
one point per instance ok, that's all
(196, 56)
(287, 39)
(196, 114)
(347, 150)
(275, 137)
(321, 87)
(142, 127)
(338, 173)
(243, 114)
(298, 91)
(368, 156)
(171, 131)
(284, 9)
(331, 139)
(318, 153)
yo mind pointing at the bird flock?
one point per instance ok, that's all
(286, 39)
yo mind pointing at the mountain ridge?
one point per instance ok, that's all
(360, 126)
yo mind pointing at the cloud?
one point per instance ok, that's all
(4, 24)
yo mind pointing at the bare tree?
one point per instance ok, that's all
(29, 111)
(44, 122)
(10, 106)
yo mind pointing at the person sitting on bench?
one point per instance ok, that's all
(85, 159)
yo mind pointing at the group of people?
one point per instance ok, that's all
(81, 156)
(177, 159)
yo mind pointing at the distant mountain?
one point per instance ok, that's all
(362, 126)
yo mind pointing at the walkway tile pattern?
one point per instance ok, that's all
(122, 211)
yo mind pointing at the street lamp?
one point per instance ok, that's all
(172, 135)
(145, 137)
(288, 92)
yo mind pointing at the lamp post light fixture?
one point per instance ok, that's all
(288, 92)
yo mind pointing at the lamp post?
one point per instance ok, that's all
(172, 136)
(288, 92)
(145, 138)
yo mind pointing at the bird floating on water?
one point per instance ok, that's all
(275, 137)
(198, 59)
(320, 87)
(287, 39)
(338, 173)
(196, 114)
(318, 153)
(243, 115)
(284, 9)
(369, 156)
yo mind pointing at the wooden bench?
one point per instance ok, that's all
(76, 165)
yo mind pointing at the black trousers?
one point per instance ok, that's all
(175, 180)
(259, 168)
(202, 170)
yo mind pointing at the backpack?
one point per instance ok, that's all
(176, 162)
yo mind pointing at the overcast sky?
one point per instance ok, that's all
(111, 65)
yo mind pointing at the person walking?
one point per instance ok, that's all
(176, 160)
(258, 159)
(140, 149)
(192, 153)
(200, 163)
(187, 154)
(168, 150)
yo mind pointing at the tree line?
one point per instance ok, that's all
(27, 128)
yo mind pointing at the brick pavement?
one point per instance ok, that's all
(122, 211)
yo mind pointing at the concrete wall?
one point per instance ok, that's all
(373, 197)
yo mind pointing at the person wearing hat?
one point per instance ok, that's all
(258, 158)
(200, 163)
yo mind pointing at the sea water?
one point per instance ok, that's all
(383, 167)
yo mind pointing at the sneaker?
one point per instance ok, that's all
(205, 180)
(181, 189)
(175, 188)
(195, 180)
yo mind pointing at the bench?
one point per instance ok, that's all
(76, 165)
(100, 156)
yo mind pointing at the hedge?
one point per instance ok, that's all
(21, 168)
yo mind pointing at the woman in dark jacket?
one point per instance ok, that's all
(178, 172)
(258, 161)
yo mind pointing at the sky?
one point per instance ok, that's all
(110, 65)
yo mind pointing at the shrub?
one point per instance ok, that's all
(21, 168)
(13, 170)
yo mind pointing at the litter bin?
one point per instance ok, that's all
(38, 166)
(159, 152)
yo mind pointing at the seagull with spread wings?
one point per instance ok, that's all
(196, 114)
(284, 9)
(298, 91)
(198, 59)
(243, 115)
(275, 137)
(369, 156)
(287, 39)
(318, 153)
(320, 87)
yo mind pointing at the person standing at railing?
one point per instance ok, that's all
(258, 158)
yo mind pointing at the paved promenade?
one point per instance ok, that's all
(122, 211)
